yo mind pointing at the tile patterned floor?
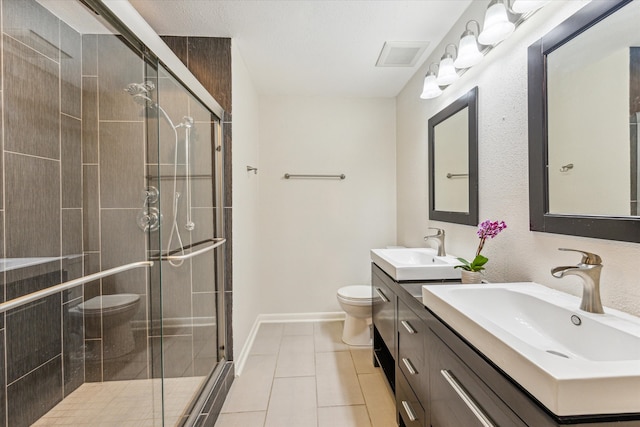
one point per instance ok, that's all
(134, 403)
(303, 375)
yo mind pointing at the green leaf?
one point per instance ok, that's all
(466, 265)
(480, 260)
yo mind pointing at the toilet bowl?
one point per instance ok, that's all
(356, 302)
(109, 317)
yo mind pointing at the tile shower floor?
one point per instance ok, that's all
(135, 403)
(303, 375)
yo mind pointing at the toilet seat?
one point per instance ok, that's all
(356, 294)
(108, 303)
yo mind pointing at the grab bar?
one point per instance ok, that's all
(34, 296)
(289, 176)
(455, 175)
(219, 241)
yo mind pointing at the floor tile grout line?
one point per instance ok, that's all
(365, 401)
(273, 378)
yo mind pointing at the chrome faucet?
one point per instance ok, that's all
(589, 271)
(439, 239)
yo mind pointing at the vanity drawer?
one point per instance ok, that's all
(411, 336)
(410, 411)
(459, 397)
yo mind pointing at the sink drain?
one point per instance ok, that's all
(557, 353)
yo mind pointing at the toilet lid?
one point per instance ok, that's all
(357, 292)
(108, 302)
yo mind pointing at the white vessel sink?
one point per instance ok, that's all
(573, 362)
(415, 264)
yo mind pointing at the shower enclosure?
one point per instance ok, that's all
(111, 226)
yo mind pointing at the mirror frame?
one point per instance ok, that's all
(470, 100)
(619, 228)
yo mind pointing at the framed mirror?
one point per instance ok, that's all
(453, 162)
(584, 109)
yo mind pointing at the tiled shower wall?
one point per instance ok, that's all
(209, 59)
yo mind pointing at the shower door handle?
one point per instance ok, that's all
(34, 296)
(219, 241)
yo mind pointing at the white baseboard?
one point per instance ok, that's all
(280, 318)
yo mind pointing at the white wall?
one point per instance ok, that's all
(315, 234)
(246, 283)
(517, 254)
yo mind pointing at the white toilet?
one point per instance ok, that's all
(116, 312)
(356, 302)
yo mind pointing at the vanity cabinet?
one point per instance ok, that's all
(440, 380)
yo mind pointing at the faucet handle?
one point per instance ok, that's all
(439, 231)
(587, 257)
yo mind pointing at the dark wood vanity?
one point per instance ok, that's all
(440, 380)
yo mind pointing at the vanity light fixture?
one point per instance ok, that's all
(447, 72)
(526, 6)
(468, 52)
(497, 25)
(430, 88)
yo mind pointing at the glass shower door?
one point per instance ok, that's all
(187, 349)
(110, 218)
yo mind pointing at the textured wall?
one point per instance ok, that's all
(518, 254)
(247, 285)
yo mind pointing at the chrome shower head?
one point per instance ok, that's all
(139, 88)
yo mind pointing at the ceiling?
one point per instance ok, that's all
(312, 47)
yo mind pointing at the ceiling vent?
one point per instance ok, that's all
(401, 54)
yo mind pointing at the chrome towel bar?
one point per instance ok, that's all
(34, 296)
(290, 175)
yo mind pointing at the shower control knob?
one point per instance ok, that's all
(151, 194)
(148, 219)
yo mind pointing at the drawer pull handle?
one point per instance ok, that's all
(468, 400)
(409, 366)
(382, 295)
(409, 410)
(408, 327)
